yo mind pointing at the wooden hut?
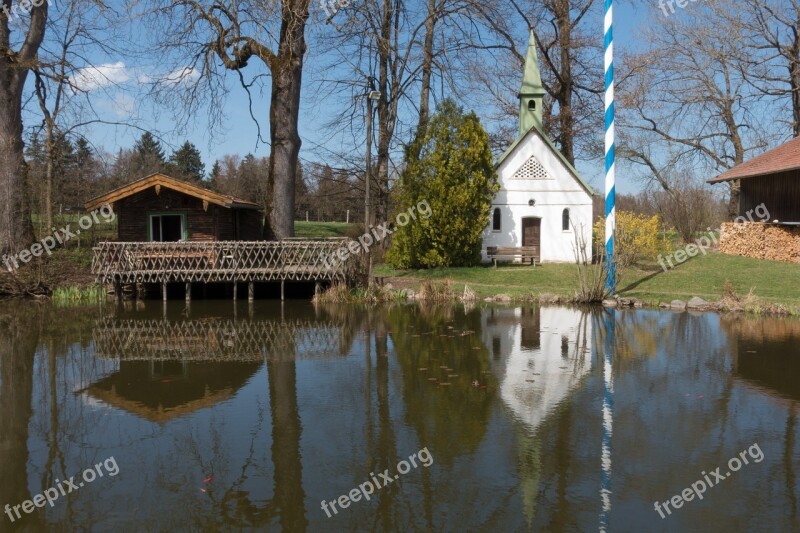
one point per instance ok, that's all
(162, 209)
(172, 232)
(768, 222)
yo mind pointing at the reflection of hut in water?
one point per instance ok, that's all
(159, 391)
(766, 352)
(218, 339)
(172, 367)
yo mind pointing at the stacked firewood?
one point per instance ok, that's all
(761, 241)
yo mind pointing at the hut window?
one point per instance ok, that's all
(532, 105)
(565, 220)
(496, 219)
(167, 228)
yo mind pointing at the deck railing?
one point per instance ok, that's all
(221, 261)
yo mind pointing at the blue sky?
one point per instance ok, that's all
(238, 135)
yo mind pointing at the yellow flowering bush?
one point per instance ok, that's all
(638, 237)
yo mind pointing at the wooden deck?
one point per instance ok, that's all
(220, 262)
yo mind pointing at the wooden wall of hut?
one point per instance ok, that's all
(214, 224)
(780, 193)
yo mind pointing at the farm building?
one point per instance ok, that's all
(543, 203)
(768, 222)
(162, 209)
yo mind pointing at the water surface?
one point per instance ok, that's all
(224, 418)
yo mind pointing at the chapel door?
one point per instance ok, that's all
(532, 235)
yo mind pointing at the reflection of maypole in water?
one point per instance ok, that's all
(608, 405)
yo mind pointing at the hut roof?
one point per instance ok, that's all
(781, 159)
(160, 180)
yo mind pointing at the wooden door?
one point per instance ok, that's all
(532, 235)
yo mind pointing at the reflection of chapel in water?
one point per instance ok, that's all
(541, 356)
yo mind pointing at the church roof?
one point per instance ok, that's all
(532, 80)
(536, 131)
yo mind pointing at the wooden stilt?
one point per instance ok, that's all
(164, 290)
(118, 292)
(235, 291)
(251, 292)
(283, 294)
(188, 292)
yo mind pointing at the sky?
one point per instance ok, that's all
(239, 133)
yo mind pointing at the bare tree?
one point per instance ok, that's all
(569, 50)
(16, 228)
(688, 101)
(775, 30)
(203, 35)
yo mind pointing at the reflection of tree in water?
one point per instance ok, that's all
(450, 419)
(228, 501)
(18, 342)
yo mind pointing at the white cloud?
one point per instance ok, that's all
(100, 76)
(121, 106)
(185, 75)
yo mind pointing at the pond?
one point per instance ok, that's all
(299, 418)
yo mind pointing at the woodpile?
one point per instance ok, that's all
(761, 241)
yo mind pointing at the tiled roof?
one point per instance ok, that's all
(784, 157)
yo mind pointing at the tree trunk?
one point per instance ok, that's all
(16, 228)
(566, 119)
(287, 78)
(794, 83)
(427, 74)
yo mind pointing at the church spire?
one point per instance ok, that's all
(532, 92)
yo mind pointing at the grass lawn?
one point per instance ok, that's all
(703, 276)
(321, 230)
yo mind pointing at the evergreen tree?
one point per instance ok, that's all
(454, 173)
(148, 156)
(215, 176)
(185, 163)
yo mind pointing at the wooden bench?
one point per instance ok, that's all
(525, 253)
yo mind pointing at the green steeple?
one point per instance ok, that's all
(532, 92)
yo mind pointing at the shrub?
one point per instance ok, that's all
(639, 237)
(454, 172)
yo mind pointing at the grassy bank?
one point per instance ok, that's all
(703, 276)
(321, 230)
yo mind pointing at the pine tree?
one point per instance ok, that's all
(185, 163)
(214, 176)
(148, 155)
(454, 173)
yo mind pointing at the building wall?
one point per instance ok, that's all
(780, 194)
(216, 223)
(761, 241)
(558, 191)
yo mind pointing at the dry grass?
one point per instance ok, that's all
(431, 291)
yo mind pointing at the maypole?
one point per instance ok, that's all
(611, 211)
(611, 264)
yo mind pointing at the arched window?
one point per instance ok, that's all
(496, 219)
(565, 220)
(532, 105)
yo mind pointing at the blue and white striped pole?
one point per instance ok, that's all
(611, 210)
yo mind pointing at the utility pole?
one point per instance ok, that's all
(373, 96)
